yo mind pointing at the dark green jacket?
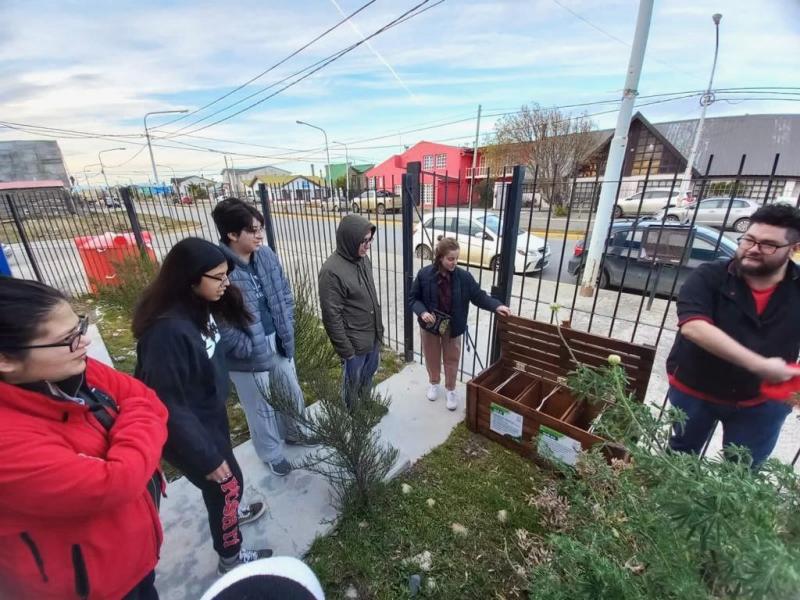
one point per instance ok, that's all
(351, 311)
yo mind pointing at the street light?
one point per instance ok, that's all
(346, 170)
(705, 101)
(86, 175)
(100, 160)
(147, 134)
(327, 151)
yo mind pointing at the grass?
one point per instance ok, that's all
(470, 479)
(66, 226)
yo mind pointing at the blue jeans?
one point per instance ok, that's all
(358, 374)
(754, 427)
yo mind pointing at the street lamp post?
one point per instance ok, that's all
(102, 167)
(147, 135)
(174, 177)
(346, 170)
(327, 151)
(706, 100)
(86, 175)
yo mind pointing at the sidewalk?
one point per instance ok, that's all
(299, 505)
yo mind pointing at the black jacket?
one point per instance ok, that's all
(189, 374)
(351, 310)
(424, 296)
(715, 292)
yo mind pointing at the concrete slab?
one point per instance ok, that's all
(300, 506)
(97, 349)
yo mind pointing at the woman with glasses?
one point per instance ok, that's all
(261, 354)
(180, 357)
(80, 446)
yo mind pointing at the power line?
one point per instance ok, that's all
(413, 12)
(273, 67)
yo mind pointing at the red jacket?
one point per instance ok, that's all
(76, 520)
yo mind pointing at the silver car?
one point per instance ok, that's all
(721, 212)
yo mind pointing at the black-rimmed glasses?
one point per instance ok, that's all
(72, 341)
(221, 279)
(767, 248)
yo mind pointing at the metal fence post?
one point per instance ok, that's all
(508, 249)
(268, 227)
(136, 227)
(410, 200)
(24, 238)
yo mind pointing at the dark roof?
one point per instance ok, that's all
(759, 137)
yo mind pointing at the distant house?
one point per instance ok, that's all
(237, 180)
(356, 172)
(35, 198)
(183, 185)
(445, 173)
(666, 147)
(288, 187)
(37, 160)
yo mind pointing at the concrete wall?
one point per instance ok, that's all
(32, 161)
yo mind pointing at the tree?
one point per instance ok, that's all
(546, 138)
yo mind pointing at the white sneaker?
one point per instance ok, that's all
(452, 400)
(433, 392)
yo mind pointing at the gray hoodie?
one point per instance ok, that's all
(351, 311)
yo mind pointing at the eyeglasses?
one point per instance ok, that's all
(366, 241)
(72, 341)
(221, 279)
(254, 230)
(768, 248)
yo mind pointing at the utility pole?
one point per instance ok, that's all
(147, 135)
(475, 153)
(327, 151)
(102, 167)
(705, 101)
(346, 170)
(616, 152)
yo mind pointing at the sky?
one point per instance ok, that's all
(92, 70)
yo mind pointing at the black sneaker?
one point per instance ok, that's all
(251, 512)
(281, 468)
(245, 556)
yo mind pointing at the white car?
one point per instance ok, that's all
(654, 200)
(480, 240)
(721, 212)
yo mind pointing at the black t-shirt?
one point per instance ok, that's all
(716, 293)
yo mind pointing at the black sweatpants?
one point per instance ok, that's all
(222, 503)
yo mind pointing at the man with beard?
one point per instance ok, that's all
(739, 326)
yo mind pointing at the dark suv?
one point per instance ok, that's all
(651, 255)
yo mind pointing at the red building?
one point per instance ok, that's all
(445, 173)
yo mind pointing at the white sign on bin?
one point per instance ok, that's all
(505, 422)
(558, 446)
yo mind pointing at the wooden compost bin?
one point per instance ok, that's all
(524, 394)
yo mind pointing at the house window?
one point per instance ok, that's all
(427, 161)
(647, 153)
(427, 193)
(441, 161)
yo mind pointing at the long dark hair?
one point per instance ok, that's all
(182, 269)
(24, 305)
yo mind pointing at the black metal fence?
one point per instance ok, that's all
(522, 238)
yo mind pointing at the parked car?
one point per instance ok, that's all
(652, 201)
(712, 212)
(378, 201)
(183, 200)
(112, 202)
(480, 241)
(631, 250)
(335, 204)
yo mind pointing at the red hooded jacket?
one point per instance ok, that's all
(76, 520)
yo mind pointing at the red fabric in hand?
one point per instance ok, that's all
(784, 390)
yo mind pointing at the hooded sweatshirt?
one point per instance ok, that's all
(351, 311)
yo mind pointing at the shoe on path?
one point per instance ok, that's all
(433, 392)
(281, 468)
(452, 400)
(245, 556)
(251, 512)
